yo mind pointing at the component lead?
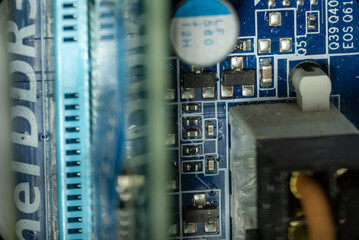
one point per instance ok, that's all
(286, 3)
(271, 3)
(314, 2)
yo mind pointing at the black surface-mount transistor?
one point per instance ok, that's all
(239, 78)
(199, 80)
(196, 215)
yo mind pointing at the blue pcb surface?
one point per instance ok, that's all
(333, 44)
(32, 76)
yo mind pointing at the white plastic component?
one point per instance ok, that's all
(313, 88)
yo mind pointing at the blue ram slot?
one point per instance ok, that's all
(107, 108)
(73, 119)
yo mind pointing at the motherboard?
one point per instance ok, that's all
(274, 38)
(118, 135)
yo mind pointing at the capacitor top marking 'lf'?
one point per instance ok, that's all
(203, 32)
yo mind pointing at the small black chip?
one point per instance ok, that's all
(191, 107)
(239, 78)
(199, 80)
(196, 215)
(243, 45)
(312, 22)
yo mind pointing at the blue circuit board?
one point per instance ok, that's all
(32, 76)
(332, 41)
(333, 44)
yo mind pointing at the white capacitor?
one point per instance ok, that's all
(204, 32)
(312, 86)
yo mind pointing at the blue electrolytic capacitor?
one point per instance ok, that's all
(203, 32)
